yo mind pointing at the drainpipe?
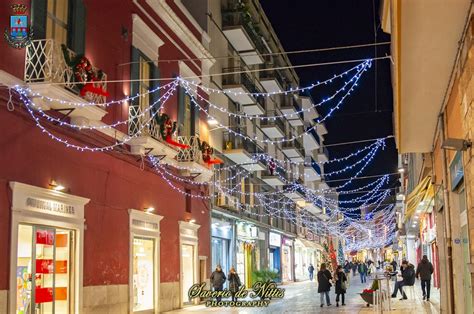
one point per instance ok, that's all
(447, 216)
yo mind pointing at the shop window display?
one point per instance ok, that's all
(44, 273)
(143, 274)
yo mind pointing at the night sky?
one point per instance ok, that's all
(330, 23)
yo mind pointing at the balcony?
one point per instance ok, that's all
(278, 178)
(312, 171)
(313, 208)
(191, 158)
(239, 29)
(271, 80)
(149, 140)
(322, 155)
(295, 193)
(307, 103)
(289, 106)
(237, 85)
(273, 127)
(45, 67)
(321, 129)
(311, 141)
(293, 150)
(241, 151)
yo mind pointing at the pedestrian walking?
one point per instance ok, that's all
(324, 284)
(371, 270)
(408, 279)
(341, 285)
(234, 282)
(362, 269)
(217, 280)
(347, 269)
(354, 268)
(311, 271)
(424, 271)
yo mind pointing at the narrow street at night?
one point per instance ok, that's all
(300, 298)
(236, 156)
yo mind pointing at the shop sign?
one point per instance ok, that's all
(456, 171)
(261, 235)
(247, 231)
(274, 239)
(287, 242)
(439, 199)
(49, 206)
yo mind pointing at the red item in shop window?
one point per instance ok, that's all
(61, 240)
(44, 237)
(367, 291)
(45, 266)
(45, 295)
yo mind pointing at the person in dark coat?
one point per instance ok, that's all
(217, 280)
(354, 268)
(324, 284)
(341, 280)
(234, 282)
(424, 271)
(311, 271)
(408, 279)
(362, 269)
(347, 268)
(394, 265)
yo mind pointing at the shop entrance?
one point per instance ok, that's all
(188, 268)
(45, 270)
(143, 275)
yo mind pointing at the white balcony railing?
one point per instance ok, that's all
(191, 154)
(45, 63)
(137, 121)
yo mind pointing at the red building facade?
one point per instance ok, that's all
(74, 223)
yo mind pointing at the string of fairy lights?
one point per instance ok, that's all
(331, 216)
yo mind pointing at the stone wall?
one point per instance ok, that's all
(111, 299)
(169, 296)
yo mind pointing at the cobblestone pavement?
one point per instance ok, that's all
(302, 297)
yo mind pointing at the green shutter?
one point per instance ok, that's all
(38, 18)
(181, 107)
(195, 118)
(155, 74)
(134, 74)
(77, 26)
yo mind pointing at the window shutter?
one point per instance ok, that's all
(77, 22)
(196, 113)
(134, 74)
(181, 107)
(38, 18)
(154, 84)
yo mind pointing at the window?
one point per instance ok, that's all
(143, 273)
(144, 74)
(57, 20)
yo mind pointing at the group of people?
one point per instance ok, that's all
(218, 278)
(340, 278)
(423, 271)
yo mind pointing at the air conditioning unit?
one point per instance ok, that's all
(226, 201)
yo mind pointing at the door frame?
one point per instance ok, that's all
(144, 225)
(188, 234)
(39, 206)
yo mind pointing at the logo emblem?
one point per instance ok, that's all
(20, 35)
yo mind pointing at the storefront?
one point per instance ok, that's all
(189, 261)
(46, 257)
(247, 250)
(274, 255)
(144, 260)
(287, 269)
(306, 253)
(222, 244)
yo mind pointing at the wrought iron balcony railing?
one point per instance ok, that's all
(137, 121)
(237, 17)
(273, 121)
(45, 62)
(191, 154)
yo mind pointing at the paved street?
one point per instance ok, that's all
(302, 297)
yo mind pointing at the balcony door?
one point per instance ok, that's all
(57, 20)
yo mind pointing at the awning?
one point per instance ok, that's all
(308, 244)
(421, 196)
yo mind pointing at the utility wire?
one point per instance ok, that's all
(267, 54)
(233, 72)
